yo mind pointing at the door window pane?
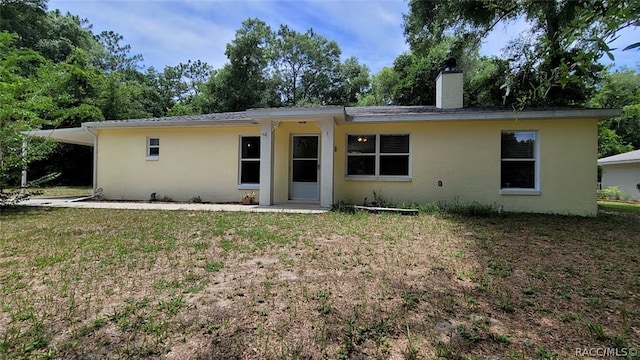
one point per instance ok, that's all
(305, 147)
(305, 171)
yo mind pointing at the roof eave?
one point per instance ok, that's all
(598, 114)
(338, 113)
(153, 124)
(619, 162)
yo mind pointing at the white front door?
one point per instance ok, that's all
(304, 167)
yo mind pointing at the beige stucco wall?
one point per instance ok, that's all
(465, 156)
(625, 176)
(197, 161)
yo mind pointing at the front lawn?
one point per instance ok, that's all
(97, 283)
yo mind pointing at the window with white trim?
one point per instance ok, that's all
(249, 160)
(519, 159)
(153, 148)
(378, 155)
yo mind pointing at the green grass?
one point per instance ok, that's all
(94, 283)
(62, 191)
(632, 208)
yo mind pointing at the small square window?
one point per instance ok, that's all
(153, 148)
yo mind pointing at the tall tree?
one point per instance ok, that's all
(353, 82)
(62, 34)
(550, 66)
(24, 107)
(25, 18)
(116, 56)
(306, 66)
(243, 82)
(621, 89)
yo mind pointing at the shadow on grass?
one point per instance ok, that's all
(558, 283)
(18, 210)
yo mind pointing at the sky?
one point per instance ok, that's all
(167, 33)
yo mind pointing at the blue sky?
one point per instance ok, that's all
(169, 32)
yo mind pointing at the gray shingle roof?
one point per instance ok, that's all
(205, 119)
(364, 114)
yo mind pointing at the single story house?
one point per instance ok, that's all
(533, 160)
(622, 170)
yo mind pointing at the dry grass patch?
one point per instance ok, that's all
(116, 283)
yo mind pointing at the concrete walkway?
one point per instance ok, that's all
(78, 202)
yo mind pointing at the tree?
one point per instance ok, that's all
(484, 86)
(353, 82)
(116, 56)
(305, 66)
(550, 67)
(243, 82)
(24, 107)
(25, 18)
(382, 88)
(62, 34)
(621, 89)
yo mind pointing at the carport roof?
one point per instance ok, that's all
(78, 136)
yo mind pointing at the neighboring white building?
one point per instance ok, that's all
(622, 170)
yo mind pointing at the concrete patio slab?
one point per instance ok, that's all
(82, 202)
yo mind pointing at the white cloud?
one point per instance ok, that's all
(169, 32)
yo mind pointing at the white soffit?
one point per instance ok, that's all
(78, 136)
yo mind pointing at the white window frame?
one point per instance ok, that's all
(241, 185)
(536, 159)
(377, 154)
(149, 147)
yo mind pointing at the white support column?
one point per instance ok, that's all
(266, 161)
(326, 162)
(23, 180)
(95, 163)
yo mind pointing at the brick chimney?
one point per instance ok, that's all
(449, 90)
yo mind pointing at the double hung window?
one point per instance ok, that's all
(153, 148)
(519, 160)
(378, 155)
(249, 160)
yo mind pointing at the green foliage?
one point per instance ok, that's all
(612, 193)
(609, 142)
(306, 65)
(552, 64)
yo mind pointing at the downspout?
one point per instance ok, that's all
(95, 158)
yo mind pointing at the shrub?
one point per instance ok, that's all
(468, 209)
(612, 193)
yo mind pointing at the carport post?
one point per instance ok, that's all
(23, 179)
